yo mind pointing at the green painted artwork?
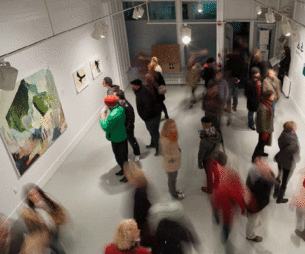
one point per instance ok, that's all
(34, 121)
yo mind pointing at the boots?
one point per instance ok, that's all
(280, 199)
(300, 234)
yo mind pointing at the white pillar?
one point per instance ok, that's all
(220, 33)
(179, 23)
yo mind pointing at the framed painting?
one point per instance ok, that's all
(34, 119)
(81, 78)
(95, 67)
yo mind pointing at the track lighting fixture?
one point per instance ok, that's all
(270, 16)
(286, 26)
(8, 76)
(186, 34)
(138, 12)
(258, 10)
(100, 30)
(199, 7)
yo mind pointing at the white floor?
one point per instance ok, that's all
(86, 185)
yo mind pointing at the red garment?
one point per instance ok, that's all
(111, 249)
(206, 66)
(268, 104)
(258, 86)
(228, 197)
(213, 174)
(265, 136)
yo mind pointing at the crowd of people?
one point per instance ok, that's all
(163, 227)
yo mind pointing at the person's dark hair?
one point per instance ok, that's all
(120, 94)
(31, 186)
(287, 51)
(206, 119)
(108, 81)
(210, 60)
(266, 95)
(136, 82)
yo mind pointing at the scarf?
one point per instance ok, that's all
(268, 104)
(208, 132)
(258, 86)
(173, 136)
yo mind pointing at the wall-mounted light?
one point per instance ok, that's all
(270, 16)
(199, 7)
(286, 26)
(8, 76)
(100, 30)
(186, 34)
(258, 10)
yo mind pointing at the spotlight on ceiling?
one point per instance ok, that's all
(138, 12)
(258, 10)
(186, 34)
(8, 76)
(199, 7)
(270, 17)
(286, 27)
(100, 30)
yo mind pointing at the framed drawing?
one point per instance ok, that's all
(81, 78)
(34, 119)
(95, 67)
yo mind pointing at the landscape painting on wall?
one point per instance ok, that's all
(34, 121)
(81, 78)
(95, 66)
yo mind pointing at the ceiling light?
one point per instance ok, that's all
(8, 76)
(186, 34)
(286, 27)
(258, 10)
(199, 7)
(270, 17)
(100, 30)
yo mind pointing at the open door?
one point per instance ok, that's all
(228, 38)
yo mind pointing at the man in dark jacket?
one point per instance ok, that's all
(129, 123)
(260, 181)
(253, 92)
(208, 72)
(149, 111)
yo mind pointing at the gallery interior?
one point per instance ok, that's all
(67, 48)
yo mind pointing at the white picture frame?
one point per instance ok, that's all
(81, 78)
(95, 67)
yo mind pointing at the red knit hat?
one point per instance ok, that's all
(110, 100)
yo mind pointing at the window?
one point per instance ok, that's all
(190, 11)
(162, 11)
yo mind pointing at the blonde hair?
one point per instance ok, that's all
(289, 126)
(166, 127)
(270, 70)
(134, 174)
(126, 234)
(155, 60)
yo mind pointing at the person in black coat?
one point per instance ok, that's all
(129, 123)
(253, 91)
(257, 61)
(284, 64)
(208, 72)
(161, 97)
(150, 112)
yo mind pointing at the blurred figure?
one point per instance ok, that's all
(257, 61)
(227, 200)
(271, 82)
(286, 158)
(160, 85)
(298, 202)
(242, 51)
(215, 99)
(192, 77)
(284, 64)
(264, 124)
(141, 63)
(174, 231)
(253, 91)
(210, 140)
(125, 239)
(114, 126)
(169, 149)
(44, 219)
(150, 81)
(208, 72)
(149, 111)
(129, 123)
(136, 177)
(260, 181)
(11, 235)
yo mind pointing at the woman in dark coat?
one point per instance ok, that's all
(284, 64)
(285, 158)
(257, 61)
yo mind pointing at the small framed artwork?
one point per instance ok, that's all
(95, 67)
(81, 78)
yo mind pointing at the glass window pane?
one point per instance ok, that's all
(128, 14)
(190, 11)
(162, 10)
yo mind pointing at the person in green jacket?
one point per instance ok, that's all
(114, 125)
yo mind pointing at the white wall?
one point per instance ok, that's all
(63, 55)
(239, 9)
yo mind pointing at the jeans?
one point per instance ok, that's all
(251, 225)
(259, 149)
(250, 118)
(120, 151)
(172, 179)
(235, 94)
(152, 125)
(56, 245)
(132, 141)
(283, 184)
